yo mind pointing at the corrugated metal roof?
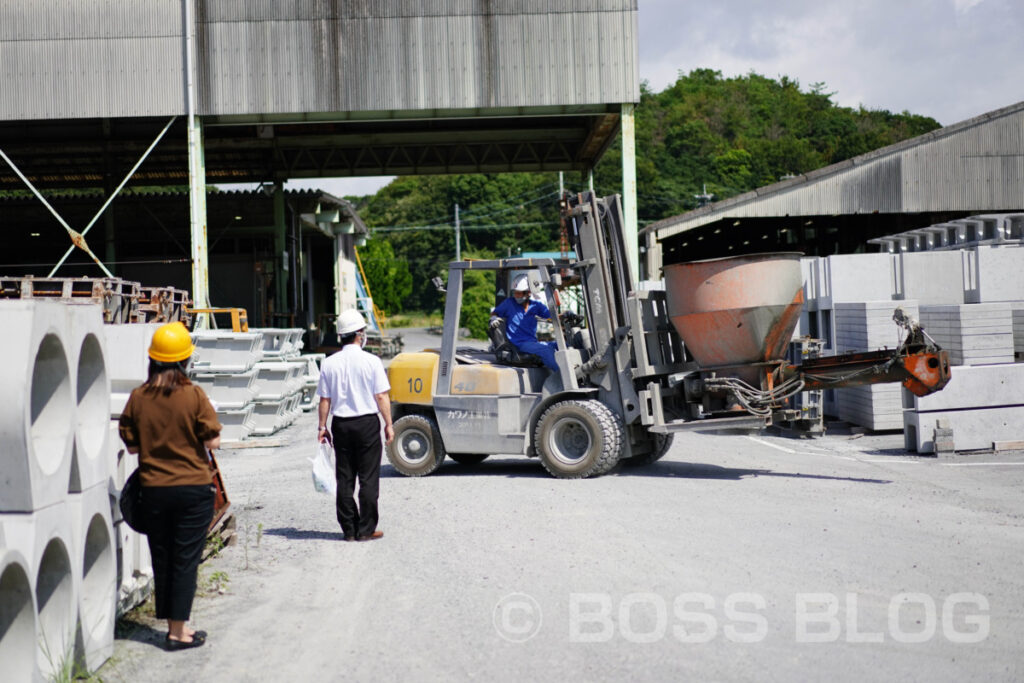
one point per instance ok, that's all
(975, 165)
(120, 58)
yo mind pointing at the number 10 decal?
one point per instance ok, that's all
(416, 386)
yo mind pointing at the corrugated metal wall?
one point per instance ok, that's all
(90, 58)
(977, 165)
(100, 58)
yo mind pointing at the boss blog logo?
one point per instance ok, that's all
(517, 617)
(649, 618)
(739, 618)
(910, 618)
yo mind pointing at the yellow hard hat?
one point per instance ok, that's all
(171, 343)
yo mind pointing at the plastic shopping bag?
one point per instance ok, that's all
(323, 469)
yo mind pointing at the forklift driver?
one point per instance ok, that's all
(521, 313)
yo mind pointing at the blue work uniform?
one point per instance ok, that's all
(521, 328)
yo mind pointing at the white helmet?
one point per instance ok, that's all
(350, 321)
(521, 284)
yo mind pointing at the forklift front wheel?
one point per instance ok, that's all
(578, 438)
(417, 449)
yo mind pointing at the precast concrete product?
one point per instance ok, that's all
(972, 429)
(134, 580)
(929, 277)
(38, 416)
(17, 615)
(736, 310)
(856, 277)
(978, 386)
(95, 569)
(277, 379)
(236, 425)
(56, 590)
(310, 378)
(222, 351)
(228, 390)
(279, 343)
(292, 408)
(127, 362)
(1017, 311)
(267, 417)
(974, 334)
(90, 461)
(124, 462)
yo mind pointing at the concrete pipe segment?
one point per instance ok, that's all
(91, 463)
(95, 571)
(17, 614)
(38, 416)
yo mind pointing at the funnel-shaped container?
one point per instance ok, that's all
(737, 310)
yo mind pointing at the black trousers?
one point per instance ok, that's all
(179, 517)
(357, 453)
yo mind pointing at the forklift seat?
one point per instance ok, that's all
(505, 352)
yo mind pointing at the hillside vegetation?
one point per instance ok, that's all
(728, 135)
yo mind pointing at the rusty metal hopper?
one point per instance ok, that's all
(737, 310)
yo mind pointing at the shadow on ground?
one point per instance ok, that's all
(293, 534)
(687, 470)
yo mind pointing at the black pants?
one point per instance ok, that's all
(357, 453)
(179, 517)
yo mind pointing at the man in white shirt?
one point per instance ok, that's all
(353, 391)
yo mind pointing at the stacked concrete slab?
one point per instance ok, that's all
(966, 297)
(869, 326)
(973, 334)
(981, 406)
(1017, 311)
(57, 546)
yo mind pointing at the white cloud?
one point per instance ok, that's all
(949, 59)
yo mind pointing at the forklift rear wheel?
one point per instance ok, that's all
(417, 449)
(578, 439)
(467, 458)
(660, 443)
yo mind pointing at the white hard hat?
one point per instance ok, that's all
(350, 321)
(521, 284)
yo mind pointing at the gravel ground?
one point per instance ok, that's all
(734, 558)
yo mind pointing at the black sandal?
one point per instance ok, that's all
(198, 638)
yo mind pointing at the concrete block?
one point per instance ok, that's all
(228, 391)
(17, 612)
(38, 417)
(236, 424)
(276, 380)
(979, 386)
(930, 277)
(221, 351)
(810, 272)
(267, 417)
(95, 570)
(279, 344)
(856, 277)
(127, 361)
(43, 539)
(90, 461)
(972, 429)
(134, 570)
(1000, 275)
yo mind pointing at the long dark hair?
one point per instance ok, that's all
(164, 378)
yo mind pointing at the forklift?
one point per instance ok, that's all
(707, 353)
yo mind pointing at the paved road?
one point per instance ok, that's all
(734, 558)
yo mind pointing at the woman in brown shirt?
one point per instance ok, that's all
(170, 423)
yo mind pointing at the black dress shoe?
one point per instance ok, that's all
(198, 638)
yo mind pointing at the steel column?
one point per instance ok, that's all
(629, 206)
(196, 179)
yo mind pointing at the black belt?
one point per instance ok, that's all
(357, 417)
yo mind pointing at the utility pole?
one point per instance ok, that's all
(458, 239)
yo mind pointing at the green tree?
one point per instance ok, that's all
(388, 278)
